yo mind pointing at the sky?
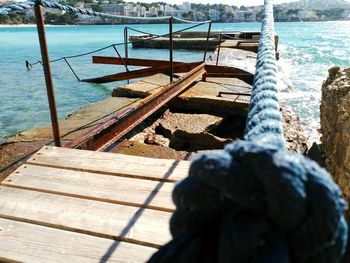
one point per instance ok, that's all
(227, 2)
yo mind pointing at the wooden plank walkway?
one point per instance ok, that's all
(67, 205)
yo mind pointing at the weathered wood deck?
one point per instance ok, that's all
(68, 205)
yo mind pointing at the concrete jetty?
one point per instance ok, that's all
(198, 41)
(226, 99)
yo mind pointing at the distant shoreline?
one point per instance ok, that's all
(23, 25)
(59, 25)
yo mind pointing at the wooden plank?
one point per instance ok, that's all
(106, 188)
(25, 242)
(136, 225)
(141, 73)
(133, 61)
(112, 164)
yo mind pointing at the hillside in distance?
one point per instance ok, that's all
(317, 4)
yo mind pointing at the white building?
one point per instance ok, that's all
(168, 8)
(161, 7)
(117, 9)
(128, 9)
(176, 13)
(153, 11)
(140, 10)
(214, 14)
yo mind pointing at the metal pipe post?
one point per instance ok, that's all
(126, 48)
(207, 43)
(171, 49)
(47, 71)
(218, 55)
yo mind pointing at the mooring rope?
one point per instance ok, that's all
(255, 201)
(80, 11)
(264, 118)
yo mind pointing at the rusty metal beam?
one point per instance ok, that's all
(140, 73)
(118, 126)
(133, 61)
(214, 71)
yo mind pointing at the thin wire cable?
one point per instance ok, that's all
(118, 44)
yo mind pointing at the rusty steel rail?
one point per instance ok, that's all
(134, 61)
(107, 133)
(140, 73)
(212, 70)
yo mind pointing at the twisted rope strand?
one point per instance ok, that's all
(264, 117)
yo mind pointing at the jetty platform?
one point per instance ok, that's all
(194, 40)
(77, 205)
(65, 204)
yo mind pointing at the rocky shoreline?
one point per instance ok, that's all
(335, 127)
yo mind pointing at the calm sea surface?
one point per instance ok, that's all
(307, 51)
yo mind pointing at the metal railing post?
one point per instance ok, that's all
(218, 55)
(207, 43)
(171, 49)
(47, 71)
(126, 48)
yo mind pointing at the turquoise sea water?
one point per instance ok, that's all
(307, 51)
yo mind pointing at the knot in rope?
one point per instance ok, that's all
(252, 204)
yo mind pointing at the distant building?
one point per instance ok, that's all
(214, 14)
(176, 13)
(117, 9)
(168, 8)
(140, 10)
(153, 11)
(161, 7)
(128, 9)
